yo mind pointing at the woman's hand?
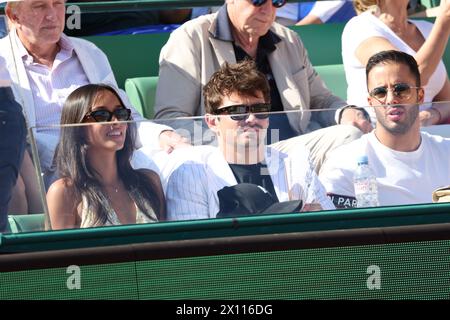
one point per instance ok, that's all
(443, 14)
(312, 207)
(430, 117)
(170, 140)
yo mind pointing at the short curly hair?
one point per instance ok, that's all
(242, 78)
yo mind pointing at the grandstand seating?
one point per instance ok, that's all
(138, 55)
(26, 223)
(430, 3)
(136, 58)
(334, 77)
(142, 91)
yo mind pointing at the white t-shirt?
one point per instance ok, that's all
(365, 26)
(402, 177)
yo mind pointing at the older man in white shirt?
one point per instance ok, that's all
(46, 66)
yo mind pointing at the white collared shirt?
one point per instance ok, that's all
(51, 86)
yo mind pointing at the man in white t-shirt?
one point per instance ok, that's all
(408, 165)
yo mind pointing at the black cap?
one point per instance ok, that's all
(247, 199)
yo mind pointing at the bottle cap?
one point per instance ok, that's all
(363, 159)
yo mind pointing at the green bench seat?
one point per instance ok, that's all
(142, 91)
(26, 223)
(334, 77)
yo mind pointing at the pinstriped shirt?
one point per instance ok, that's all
(51, 86)
(195, 178)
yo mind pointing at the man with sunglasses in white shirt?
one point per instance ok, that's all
(408, 165)
(237, 100)
(247, 29)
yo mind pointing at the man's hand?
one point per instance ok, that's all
(312, 207)
(357, 118)
(170, 140)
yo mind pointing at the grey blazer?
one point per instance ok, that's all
(192, 55)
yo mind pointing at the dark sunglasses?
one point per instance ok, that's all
(402, 91)
(241, 112)
(102, 115)
(275, 3)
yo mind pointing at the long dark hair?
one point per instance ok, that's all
(73, 164)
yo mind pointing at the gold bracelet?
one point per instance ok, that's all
(438, 112)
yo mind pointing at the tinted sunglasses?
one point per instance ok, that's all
(275, 3)
(402, 91)
(241, 112)
(102, 115)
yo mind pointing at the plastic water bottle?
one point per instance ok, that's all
(365, 183)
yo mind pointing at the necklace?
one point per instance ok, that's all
(114, 188)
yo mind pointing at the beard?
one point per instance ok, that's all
(411, 112)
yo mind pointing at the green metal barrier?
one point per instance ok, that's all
(124, 5)
(385, 263)
(215, 228)
(134, 5)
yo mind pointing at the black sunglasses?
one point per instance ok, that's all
(102, 115)
(275, 3)
(241, 112)
(402, 91)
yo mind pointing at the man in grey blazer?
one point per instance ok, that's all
(237, 100)
(246, 29)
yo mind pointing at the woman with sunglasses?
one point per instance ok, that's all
(383, 25)
(98, 186)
